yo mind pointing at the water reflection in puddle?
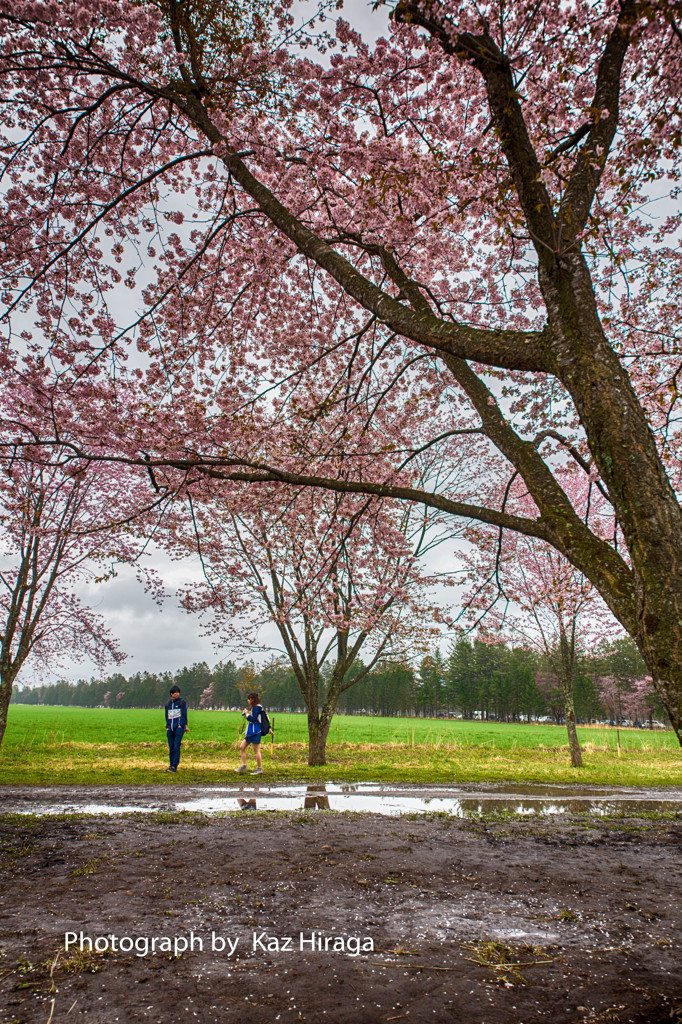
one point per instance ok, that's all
(458, 802)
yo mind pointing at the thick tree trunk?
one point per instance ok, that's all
(6, 686)
(580, 355)
(643, 498)
(318, 730)
(319, 718)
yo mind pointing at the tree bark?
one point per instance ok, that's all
(6, 687)
(569, 714)
(566, 674)
(318, 730)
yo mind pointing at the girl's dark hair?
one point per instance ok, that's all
(174, 689)
(253, 696)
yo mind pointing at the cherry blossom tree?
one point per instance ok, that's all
(450, 227)
(528, 593)
(625, 696)
(612, 692)
(336, 575)
(62, 524)
(206, 699)
(642, 701)
(621, 681)
(47, 543)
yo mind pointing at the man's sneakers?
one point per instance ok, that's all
(258, 771)
(173, 770)
(242, 768)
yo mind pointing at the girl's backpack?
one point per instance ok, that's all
(265, 727)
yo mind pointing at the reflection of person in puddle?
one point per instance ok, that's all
(253, 734)
(247, 805)
(176, 726)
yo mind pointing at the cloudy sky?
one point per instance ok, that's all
(167, 638)
(157, 639)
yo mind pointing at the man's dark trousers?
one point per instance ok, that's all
(174, 741)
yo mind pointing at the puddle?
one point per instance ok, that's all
(392, 801)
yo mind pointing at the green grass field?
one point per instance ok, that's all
(100, 745)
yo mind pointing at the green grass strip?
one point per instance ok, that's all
(89, 746)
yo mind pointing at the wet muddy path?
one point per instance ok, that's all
(569, 919)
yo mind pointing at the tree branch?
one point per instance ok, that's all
(590, 161)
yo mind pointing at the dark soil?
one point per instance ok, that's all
(517, 921)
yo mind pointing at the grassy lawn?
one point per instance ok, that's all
(91, 746)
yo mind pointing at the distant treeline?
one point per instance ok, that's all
(474, 680)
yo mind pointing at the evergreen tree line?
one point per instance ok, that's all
(475, 680)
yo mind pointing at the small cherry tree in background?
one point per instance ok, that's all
(613, 693)
(527, 593)
(62, 523)
(207, 697)
(642, 701)
(51, 536)
(625, 698)
(336, 575)
(625, 690)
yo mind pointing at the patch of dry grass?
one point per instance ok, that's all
(505, 962)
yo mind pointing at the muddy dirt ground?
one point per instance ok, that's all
(568, 920)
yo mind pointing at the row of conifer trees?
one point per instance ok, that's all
(473, 680)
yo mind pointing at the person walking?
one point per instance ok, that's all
(176, 726)
(253, 736)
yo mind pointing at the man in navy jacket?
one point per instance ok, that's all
(176, 726)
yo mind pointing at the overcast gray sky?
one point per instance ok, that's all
(166, 638)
